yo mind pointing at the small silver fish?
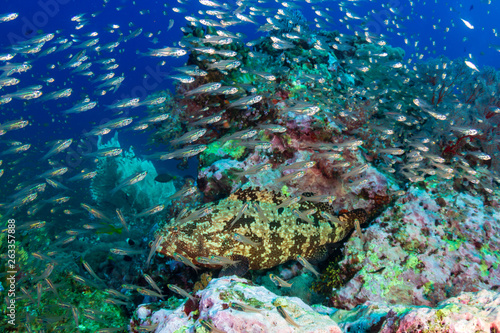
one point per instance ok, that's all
(260, 212)
(205, 88)
(279, 282)
(8, 17)
(183, 192)
(54, 172)
(147, 292)
(242, 307)
(239, 215)
(106, 152)
(245, 101)
(154, 247)
(180, 291)
(58, 147)
(291, 176)
(216, 260)
(307, 265)
(304, 215)
(150, 211)
(240, 135)
(254, 170)
(180, 258)
(151, 282)
(125, 103)
(210, 326)
(299, 165)
(98, 214)
(122, 219)
(245, 240)
(167, 52)
(189, 137)
(125, 252)
(186, 152)
(14, 125)
(286, 316)
(289, 201)
(117, 123)
(90, 270)
(131, 180)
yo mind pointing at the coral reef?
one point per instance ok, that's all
(256, 311)
(325, 167)
(467, 312)
(432, 245)
(353, 124)
(59, 298)
(213, 307)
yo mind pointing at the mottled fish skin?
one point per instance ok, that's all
(283, 237)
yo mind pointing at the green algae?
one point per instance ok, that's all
(484, 267)
(454, 245)
(217, 151)
(285, 190)
(231, 294)
(438, 324)
(334, 277)
(486, 250)
(412, 262)
(428, 288)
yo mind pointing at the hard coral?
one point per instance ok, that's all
(213, 307)
(468, 312)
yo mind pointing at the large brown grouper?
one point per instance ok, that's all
(279, 237)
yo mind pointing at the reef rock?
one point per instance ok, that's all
(212, 307)
(469, 312)
(431, 245)
(370, 190)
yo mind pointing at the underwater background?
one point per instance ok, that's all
(249, 166)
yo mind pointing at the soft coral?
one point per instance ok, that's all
(452, 149)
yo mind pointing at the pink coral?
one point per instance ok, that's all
(213, 307)
(427, 253)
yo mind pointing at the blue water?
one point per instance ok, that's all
(416, 24)
(46, 121)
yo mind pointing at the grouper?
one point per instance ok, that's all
(255, 241)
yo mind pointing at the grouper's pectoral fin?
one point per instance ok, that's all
(322, 253)
(319, 255)
(240, 268)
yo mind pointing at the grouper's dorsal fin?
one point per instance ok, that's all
(350, 216)
(251, 194)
